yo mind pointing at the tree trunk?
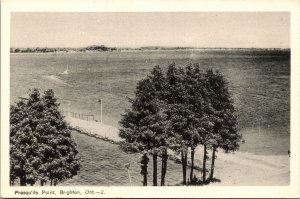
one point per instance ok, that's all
(184, 164)
(145, 180)
(162, 177)
(144, 167)
(23, 180)
(164, 161)
(212, 163)
(166, 164)
(204, 164)
(155, 169)
(192, 166)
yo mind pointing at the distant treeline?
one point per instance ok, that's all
(49, 50)
(102, 48)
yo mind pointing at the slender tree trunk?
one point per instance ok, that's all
(155, 169)
(164, 161)
(145, 180)
(166, 164)
(212, 163)
(23, 180)
(204, 164)
(51, 182)
(162, 178)
(184, 164)
(192, 166)
(183, 169)
(144, 168)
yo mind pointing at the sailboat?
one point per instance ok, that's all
(66, 71)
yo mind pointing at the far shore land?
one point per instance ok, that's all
(102, 48)
(234, 169)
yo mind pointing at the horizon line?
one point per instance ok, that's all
(153, 46)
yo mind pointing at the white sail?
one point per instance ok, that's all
(66, 71)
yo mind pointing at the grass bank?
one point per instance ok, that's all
(102, 164)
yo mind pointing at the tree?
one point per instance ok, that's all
(41, 146)
(195, 103)
(177, 112)
(180, 110)
(224, 133)
(144, 126)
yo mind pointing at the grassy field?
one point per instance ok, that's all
(102, 164)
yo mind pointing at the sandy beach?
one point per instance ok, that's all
(245, 169)
(234, 169)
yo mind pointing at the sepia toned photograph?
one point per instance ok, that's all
(196, 99)
(150, 99)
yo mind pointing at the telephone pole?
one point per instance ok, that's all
(100, 101)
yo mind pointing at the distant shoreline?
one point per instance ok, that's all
(102, 48)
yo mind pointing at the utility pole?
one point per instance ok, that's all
(127, 166)
(259, 124)
(100, 101)
(108, 177)
(69, 103)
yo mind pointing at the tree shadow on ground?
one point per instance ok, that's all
(198, 182)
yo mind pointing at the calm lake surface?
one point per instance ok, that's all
(259, 82)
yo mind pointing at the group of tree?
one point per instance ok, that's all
(93, 48)
(41, 147)
(180, 109)
(37, 50)
(99, 48)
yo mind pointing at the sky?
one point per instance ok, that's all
(194, 29)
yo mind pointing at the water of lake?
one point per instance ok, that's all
(259, 82)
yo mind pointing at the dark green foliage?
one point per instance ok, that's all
(144, 126)
(224, 133)
(180, 110)
(41, 147)
(181, 115)
(144, 123)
